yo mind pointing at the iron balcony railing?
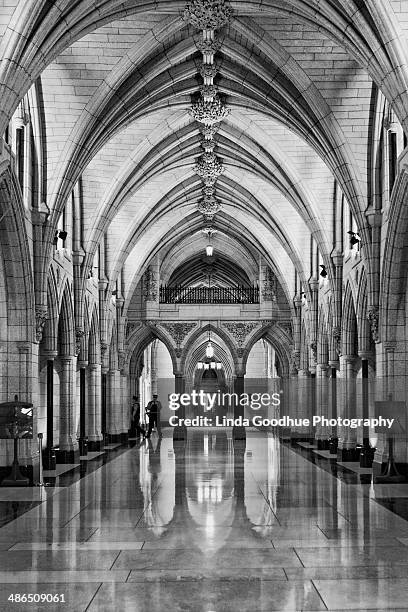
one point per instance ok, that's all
(209, 295)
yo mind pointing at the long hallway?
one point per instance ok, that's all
(210, 525)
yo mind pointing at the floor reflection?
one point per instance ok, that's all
(243, 526)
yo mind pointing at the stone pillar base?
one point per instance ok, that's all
(95, 446)
(348, 454)
(113, 438)
(67, 456)
(49, 459)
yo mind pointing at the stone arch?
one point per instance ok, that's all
(94, 344)
(50, 334)
(280, 340)
(322, 339)
(203, 331)
(197, 353)
(66, 325)
(395, 259)
(141, 338)
(349, 329)
(18, 277)
(363, 325)
(304, 347)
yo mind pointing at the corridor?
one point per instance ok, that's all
(208, 524)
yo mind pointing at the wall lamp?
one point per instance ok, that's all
(323, 271)
(354, 238)
(62, 234)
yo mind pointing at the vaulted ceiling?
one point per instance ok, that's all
(118, 80)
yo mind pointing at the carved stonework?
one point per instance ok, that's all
(79, 334)
(208, 71)
(208, 91)
(104, 348)
(178, 331)
(240, 331)
(336, 333)
(130, 328)
(149, 286)
(208, 168)
(208, 145)
(209, 112)
(121, 360)
(269, 285)
(207, 14)
(295, 363)
(208, 46)
(209, 131)
(373, 316)
(287, 328)
(178, 352)
(40, 320)
(208, 206)
(313, 348)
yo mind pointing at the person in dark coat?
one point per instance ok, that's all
(153, 411)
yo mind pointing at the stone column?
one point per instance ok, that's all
(104, 397)
(313, 316)
(68, 445)
(125, 404)
(179, 432)
(238, 432)
(348, 437)
(335, 340)
(385, 391)
(153, 367)
(94, 408)
(83, 442)
(304, 406)
(323, 432)
(49, 452)
(114, 408)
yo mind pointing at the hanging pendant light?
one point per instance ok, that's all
(209, 351)
(209, 232)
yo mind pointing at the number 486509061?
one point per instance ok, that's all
(37, 598)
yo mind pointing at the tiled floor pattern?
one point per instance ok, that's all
(207, 527)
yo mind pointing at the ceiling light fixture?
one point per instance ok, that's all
(354, 238)
(323, 272)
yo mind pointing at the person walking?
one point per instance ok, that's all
(153, 411)
(139, 431)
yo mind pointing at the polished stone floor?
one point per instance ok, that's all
(208, 527)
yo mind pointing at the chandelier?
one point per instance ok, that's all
(209, 365)
(209, 110)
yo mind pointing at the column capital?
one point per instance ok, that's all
(351, 359)
(366, 355)
(78, 257)
(337, 258)
(39, 217)
(374, 217)
(67, 358)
